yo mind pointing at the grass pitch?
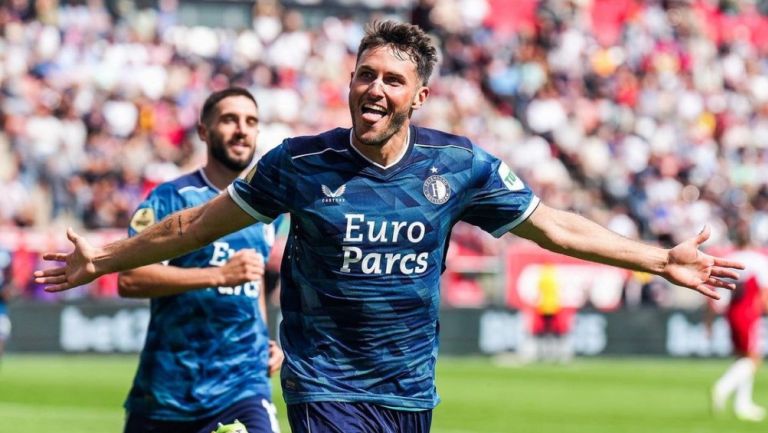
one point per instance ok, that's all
(66, 394)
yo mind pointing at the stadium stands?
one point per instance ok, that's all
(650, 117)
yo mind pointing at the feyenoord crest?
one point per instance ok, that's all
(436, 189)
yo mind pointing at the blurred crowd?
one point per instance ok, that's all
(650, 117)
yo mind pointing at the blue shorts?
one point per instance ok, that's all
(341, 417)
(257, 414)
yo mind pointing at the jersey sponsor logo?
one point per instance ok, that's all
(358, 230)
(436, 189)
(332, 196)
(510, 179)
(142, 219)
(251, 289)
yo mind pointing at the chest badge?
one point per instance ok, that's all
(436, 188)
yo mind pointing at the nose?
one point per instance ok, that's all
(241, 127)
(376, 88)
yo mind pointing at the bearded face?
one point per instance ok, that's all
(232, 132)
(235, 153)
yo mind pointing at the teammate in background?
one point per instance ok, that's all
(7, 289)
(748, 301)
(207, 357)
(372, 209)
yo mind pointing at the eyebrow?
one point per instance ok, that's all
(233, 114)
(365, 68)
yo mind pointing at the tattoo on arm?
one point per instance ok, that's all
(168, 224)
(180, 225)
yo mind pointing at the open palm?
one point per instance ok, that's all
(689, 267)
(77, 267)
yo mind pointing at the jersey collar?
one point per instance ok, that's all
(207, 181)
(390, 169)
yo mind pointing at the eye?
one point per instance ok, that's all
(394, 81)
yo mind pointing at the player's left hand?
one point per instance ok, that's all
(689, 267)
(276, 357)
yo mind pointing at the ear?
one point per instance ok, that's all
(420, 97)
(202, 132)
(351, 77)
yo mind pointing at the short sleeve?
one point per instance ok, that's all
(498, 200)
(265, 192)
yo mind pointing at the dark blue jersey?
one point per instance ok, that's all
(206, 348)
(361, 269)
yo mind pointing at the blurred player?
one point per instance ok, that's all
(207, 357)
(6, 291)
(550, 322)
(372, 208)
(747, 303)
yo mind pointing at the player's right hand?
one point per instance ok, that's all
(242, 267)
(78, 266)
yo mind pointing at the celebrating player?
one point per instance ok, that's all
(207, 357)
(372, 209)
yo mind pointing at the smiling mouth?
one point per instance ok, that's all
(372, 113)
(239, 145)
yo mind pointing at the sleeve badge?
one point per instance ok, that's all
(510, 179)
(142, 219)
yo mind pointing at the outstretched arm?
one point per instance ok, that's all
(684, 265)
(181, 232)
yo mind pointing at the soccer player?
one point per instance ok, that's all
(747, 303)
(207, 357)
(6, 290)
(372, 209)
(550, 322)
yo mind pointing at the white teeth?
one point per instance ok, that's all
(375, 108)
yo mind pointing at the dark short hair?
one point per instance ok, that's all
(216, 97)
(404, 38)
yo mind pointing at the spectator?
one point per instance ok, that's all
(668, 133)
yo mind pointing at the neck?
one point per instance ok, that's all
(219, 175)
(386, 154)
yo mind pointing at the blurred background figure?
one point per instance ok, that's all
(7, 289)
(550, 323)
(747, 304)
